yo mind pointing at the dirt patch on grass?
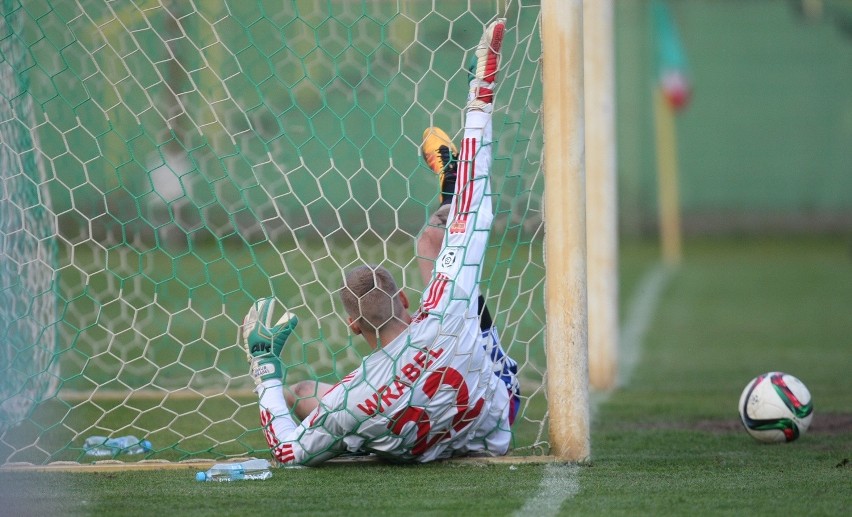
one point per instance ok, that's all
(831, 423)
(719, 426)
(823, 424)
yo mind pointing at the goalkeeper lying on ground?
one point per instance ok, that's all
(437, 383)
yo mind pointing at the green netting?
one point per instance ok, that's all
(166, 163)
(27, 269)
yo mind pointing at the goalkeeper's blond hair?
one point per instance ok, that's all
(371, 298)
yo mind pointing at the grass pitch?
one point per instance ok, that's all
(667, 443)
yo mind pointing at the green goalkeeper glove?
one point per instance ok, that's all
(265, 341)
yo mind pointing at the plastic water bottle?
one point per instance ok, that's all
(104, 446)
(251, 469)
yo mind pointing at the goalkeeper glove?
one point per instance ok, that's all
(264, 340)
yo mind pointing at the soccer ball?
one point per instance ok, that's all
(776, 407)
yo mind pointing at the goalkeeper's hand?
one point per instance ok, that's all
(264, 340)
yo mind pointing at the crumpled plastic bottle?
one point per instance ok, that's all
(250, 469)
(101, 446)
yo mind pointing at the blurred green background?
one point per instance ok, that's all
(764, 146)
(241, 116)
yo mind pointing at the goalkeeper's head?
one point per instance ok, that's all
(376, 307)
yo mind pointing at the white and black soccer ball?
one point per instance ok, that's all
(776, 407)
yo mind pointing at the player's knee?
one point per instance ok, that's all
(305, 389)
(296, 392)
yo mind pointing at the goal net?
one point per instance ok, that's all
(165, 163)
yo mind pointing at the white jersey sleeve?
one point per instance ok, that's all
(454, 287)
(316, 439)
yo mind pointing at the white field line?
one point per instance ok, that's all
(561, 482)
(639, 315)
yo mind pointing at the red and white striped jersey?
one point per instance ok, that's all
(430, 393)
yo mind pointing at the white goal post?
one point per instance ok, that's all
(565, 232)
